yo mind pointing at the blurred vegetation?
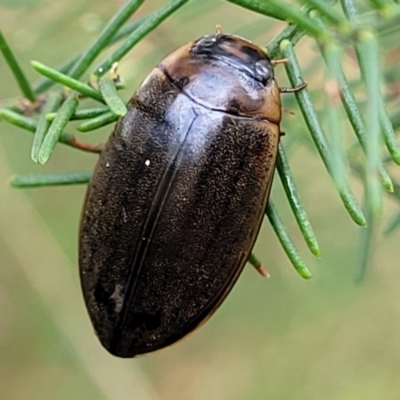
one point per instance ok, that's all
(277, 339)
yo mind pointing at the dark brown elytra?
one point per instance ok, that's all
(178, 195)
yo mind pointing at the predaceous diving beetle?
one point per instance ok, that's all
(179, 193)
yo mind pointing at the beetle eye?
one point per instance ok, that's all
(207, 41)
(263, 71)
(204, 47)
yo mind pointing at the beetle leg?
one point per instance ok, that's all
(293, 89)
(252, 260)
(262, 271)
(90, 147)
(279, 61)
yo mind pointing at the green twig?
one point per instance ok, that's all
(389, 135)
(56, 128)
(365, 251)
(289, 33)
(30, 125)
(383, 6)
(16, 69)
(265, 8)
(84, 113)
(66, 80)
(105, 37)
(279, 10)
(369, 49)
(97, 122)
(292, 32)
(46, 83)
(350, 10)
(356, 121)
(333, 56)
(393, 223)
(19, 120)
(310, 116)
(146, 27)
(53, 101)
(364, 60)
(354, 115)
(110, 96)
(40, 180)
(299, 212)
(326, 10)
(286, 242)
(395, 120)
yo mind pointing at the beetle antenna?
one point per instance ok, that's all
(288, 111)
(280, 61)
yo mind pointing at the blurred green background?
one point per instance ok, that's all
(277, 339)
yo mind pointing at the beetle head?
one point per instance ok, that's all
(226, 73)
(235, 52)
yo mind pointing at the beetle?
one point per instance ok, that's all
(178, 194)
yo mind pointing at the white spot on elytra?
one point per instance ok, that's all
(107, 164)
(118, 297)
(147, 163)
(124, 215)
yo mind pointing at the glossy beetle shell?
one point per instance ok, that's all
(178, 195)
